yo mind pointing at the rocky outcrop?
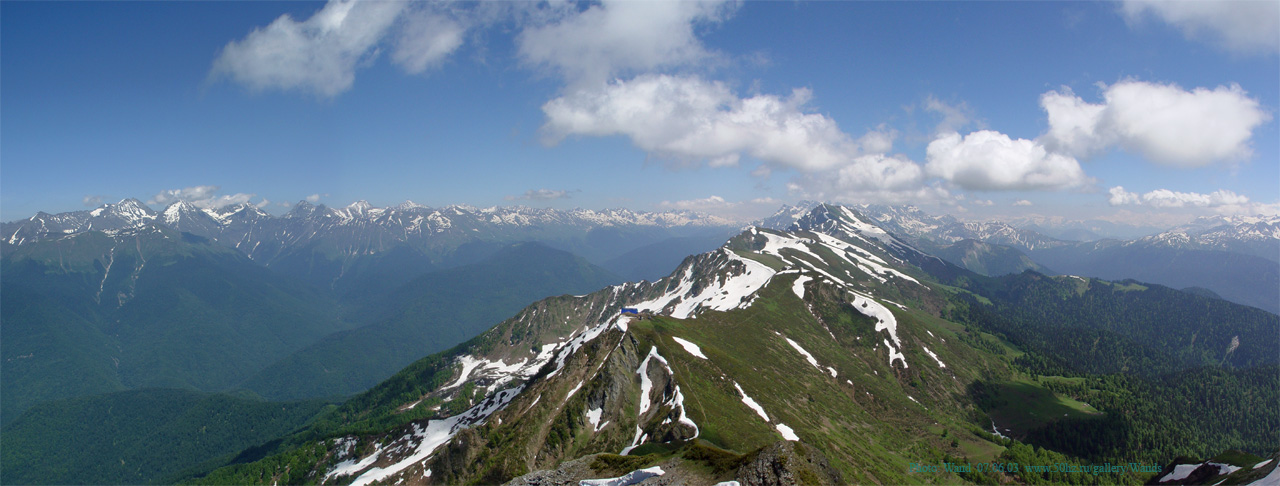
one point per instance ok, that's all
(786, 463)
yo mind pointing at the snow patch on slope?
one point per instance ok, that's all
(798, 286)
(1180, 472)
(751, 403)
(807, 356)
(427, 440)
(593, 416)
(786, 432)
(646, 387)
(725, 293)
(690, 347)
(627, 479)
(934, 356)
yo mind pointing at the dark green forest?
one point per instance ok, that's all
(140, 436)
(1175, 374)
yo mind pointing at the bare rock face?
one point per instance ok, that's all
(786, 463)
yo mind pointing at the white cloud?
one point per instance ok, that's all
(689, 119)
(1164, 198)
(984, 202)
(541, 195)
(314, 198)
(1120, 197)
(1163, 122)
(989, 160)
(878, 141)
(201, 197)
(879, 172)
(686, 120)
(618, 37)
(319, 54)
(712, 202)
(1246, 26)
(718, 206)
(92, 200)
(1022, 202)
(425, 40)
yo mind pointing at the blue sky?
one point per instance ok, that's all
(1129, 111)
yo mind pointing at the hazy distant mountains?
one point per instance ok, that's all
(345, 249)
(360, 251)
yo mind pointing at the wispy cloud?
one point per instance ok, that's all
(321, 54)
(93, 200)
(953, 116)
(618, 37)
(1164, 198)
(1240, 26)
(542, 195)
(1222, 201)
(202, 197)
(746, 210)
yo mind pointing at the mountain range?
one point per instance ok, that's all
(835, 343)
(333, 247)
(831, 352)
(1236, 257)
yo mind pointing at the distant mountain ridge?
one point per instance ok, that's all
(409, 220)
(348, 249)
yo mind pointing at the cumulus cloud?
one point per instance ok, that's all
(984, 202)
(1162, 122)
(1164, 198)
(202, 197)
(321, 54)
(878, 172)
(92, 200)
(541, 195)
(737, 211)
(990, 161)
(315, 198)
(688, 119)
(1121, 197)
(1243, 26)
(1022, 202)
(618, 37)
